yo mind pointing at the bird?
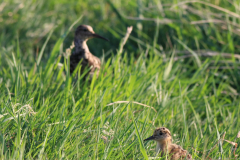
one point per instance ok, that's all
(165, 146)
(82, 54)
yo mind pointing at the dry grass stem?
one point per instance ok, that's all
(129, 30)
(119, 102)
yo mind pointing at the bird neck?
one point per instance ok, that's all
(80, 46)
(163, 147)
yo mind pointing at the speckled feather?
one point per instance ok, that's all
(177, 152)
(91, 60)
(163, 138)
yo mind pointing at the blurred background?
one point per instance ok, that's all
(158, 27)
(210, 24)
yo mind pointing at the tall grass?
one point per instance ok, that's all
(178, 69)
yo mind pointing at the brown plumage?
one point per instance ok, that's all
(82, 53)
(165, 146)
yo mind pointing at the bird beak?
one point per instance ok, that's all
(149, 138)
(98, 36)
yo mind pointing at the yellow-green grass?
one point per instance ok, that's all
(181, 59)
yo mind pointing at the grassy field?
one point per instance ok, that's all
(178, 69)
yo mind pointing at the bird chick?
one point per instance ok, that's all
(165, 146)
(82, 54)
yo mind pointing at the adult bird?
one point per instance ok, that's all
(82, 54)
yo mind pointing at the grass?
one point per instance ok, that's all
(178, 69)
